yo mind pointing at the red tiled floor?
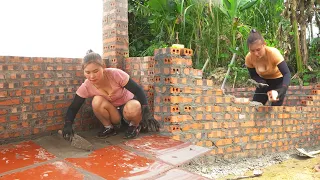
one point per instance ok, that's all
(21, 155)
(178, 174)
(156, 144)
(54, 171)
(114, 162)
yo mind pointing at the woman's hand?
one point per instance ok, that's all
(148, 122)
(67, 131)
(282, 91)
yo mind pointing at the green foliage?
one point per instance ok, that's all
(314, 53)
(139, 30)
(211, 29)
(240, 76)
(312, 74)
(314, 63)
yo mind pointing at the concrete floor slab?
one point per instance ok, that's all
(63, 149)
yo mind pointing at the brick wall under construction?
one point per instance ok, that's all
(35, 94)
(189, 109)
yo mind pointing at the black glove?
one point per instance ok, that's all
(257, 84)
(282, 91)
(67, 131)
(148, 123)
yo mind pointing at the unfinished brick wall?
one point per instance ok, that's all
(35, 93)
(191, 110)
(115, 32)
(296, 95)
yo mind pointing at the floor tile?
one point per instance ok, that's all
(183, 155)
(15, 156)
(166, 149)
(155, 144)
(113, 163)
(178, 174)
(52, 171)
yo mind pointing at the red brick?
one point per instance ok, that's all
(283, 116)
(243, 139)
(251, 130)
(3, 111)
(186, 52)
(216, 134)
(251, 146)
(3, 94)
(223, 142)
(26, 99)
(13, 126)
(315, 92)
(9, 102)
(248, 124)
(54, 127)
(14, 118)
(241, 100)
(25, 124)
(2, 119)
(258, 138)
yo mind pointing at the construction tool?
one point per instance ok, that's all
(79, 142)
(260, 85)
(304, 153)
(256, 173)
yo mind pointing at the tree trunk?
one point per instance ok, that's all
(317, 14)
(296, 35)
(311, 31)
(303, 41)
(302, 20)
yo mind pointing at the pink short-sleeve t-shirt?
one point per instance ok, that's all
(118, 96)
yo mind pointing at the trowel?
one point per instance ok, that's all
(79, 142)
(303, 152)
(256, 173)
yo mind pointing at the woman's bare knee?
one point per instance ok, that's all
(132, 110)
(97, 102)
(105, 110)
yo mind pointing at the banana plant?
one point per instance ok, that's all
(182, 9)
(232, 8)
(162, 15)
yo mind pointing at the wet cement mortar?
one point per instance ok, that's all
(216, 168)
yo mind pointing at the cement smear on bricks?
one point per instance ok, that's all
(215, 168)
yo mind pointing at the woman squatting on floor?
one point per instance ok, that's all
(116, 98)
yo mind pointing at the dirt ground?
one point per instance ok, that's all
(278, 166)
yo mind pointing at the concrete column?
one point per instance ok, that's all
(115, 32)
